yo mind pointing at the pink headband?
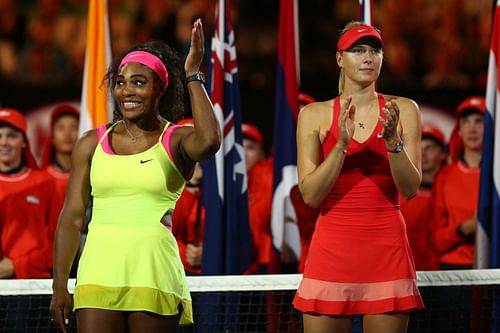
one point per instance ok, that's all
(354, 34)
(150, 60)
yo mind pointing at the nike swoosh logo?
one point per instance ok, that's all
(146, 161)
(379, 135)
(361, 30)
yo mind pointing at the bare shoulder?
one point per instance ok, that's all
(86, 144)
(403, 102)
(317, 112)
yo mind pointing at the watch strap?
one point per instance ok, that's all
(198, 76)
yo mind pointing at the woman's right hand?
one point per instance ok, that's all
(61, 306)
(346, 121)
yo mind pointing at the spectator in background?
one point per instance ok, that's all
(456, 189)
(188, 219)
(260, 191)
(56, 158)
(454, 214)
(26, 205)
(418, 211)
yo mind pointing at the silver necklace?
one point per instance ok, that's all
(133, 138)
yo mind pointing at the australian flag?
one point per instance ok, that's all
(285, 232)
(227, 239)
(365, 11)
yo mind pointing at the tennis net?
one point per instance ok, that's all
(456, 301)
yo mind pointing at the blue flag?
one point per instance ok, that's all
(286, 235)
(227, 247)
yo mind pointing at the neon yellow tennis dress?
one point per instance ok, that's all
(131, 260)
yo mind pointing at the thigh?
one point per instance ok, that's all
(394, 322)
(327, 324)
(101, 321)
(142, 322)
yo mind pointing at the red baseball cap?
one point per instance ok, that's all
(305, 99)
(251, 132)
(473, 103)
(63, 109)
(58, 111)
(15, 119)
(433, 132)
(355, 33)
(186, 121)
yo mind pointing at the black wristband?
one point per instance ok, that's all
(198, 76)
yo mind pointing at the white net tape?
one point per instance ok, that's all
(266, 282)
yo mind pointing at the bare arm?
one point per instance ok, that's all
(197, 143)
(403, 125)
(70, 225)
(316, 177)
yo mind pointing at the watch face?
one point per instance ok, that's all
(398, 147)
(201, 76)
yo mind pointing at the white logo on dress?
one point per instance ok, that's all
(379, 135)
(32, 199)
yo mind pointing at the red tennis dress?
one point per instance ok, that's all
(359, 261)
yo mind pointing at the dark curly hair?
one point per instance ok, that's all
(173, 102)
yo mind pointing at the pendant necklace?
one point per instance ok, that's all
(133, 138)
(361, 124)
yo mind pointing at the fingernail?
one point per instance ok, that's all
(66, 321)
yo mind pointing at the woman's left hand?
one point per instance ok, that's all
(196, 50)
(390, 123)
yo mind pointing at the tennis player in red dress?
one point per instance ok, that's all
(356, 153)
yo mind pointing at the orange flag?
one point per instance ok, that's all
(96, 106)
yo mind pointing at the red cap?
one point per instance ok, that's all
(251, 132)
(305, 99)
(355, 33)
(63, 109)
(473, 104)
(17, 120)
(186, 121)
(476, 103)
(429, 130)
(13, 118)
(58, 111)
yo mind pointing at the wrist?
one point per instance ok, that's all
(395, 147)
(341, 146)
(191, 72)
(197, 76)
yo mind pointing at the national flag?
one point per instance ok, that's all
(227, 242)
(285, 233)
(227, 239)
(96, 107)
(488, 233)
(365, 11)
(488, 228)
